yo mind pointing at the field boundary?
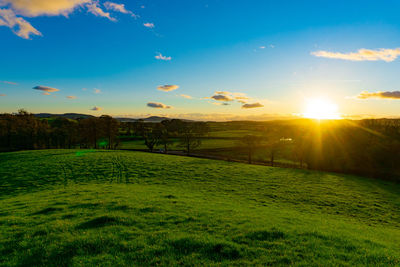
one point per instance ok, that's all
(215, 157)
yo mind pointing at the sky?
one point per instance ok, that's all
(203, 59)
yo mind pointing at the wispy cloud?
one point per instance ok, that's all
(71, 97)
(46, 89)
(253, 105)
(384, 54)
(222, 93)
(242, 99)
(18, 25)
(13, 10)
(167, 87)
(96, 108)
(7, 82)
(186, 96)
(222, 98)
(34, 8)
(46, 93)
(94, 8)
(158, 105)
(2, 94)
(97, 91)
(119, 8)
(149, 25)
(220, 104)
(161, 57)
(226, 96)
(379, 94)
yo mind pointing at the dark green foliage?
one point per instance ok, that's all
(23, 131)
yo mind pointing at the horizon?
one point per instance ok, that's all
(259, 118)
(208, 60)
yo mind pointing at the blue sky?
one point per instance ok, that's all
(251, 52)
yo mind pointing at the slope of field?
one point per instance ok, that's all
(110, 208)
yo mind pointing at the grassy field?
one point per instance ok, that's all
(110, 208)
(205, 144)
(219, 147)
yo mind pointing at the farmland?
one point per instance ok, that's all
(91, 207)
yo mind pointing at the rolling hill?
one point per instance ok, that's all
(114, 208)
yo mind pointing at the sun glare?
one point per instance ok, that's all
(321, 109)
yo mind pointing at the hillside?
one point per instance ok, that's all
(75, 207)
(75, 116)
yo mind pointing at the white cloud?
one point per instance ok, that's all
(149, 25)
(94, 8)
(119, 8)
(158, 105)
(379, 94)
(46, 89)
(167, 88)
(18, 25)
(161, 57)
(384, 54)
(96, 108)
(254, 105)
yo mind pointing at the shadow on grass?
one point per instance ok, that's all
(214, 250)
(264, 235)
(47, 211)
(103, 221)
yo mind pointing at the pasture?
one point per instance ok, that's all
(109, 208)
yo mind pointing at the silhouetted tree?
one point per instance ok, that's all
(251, 142)
(164, 135)
(190, 134)
(109, 128)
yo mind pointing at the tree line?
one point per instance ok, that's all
(23, 131)
(187, 135)
(365, 147)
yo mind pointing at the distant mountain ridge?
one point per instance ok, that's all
(72, 116)
(75, 116)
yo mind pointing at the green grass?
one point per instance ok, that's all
(110, 208)
(205, 144)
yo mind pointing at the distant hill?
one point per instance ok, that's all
(149, 119)
(72, 116)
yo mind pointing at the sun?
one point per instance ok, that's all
(321, 109)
